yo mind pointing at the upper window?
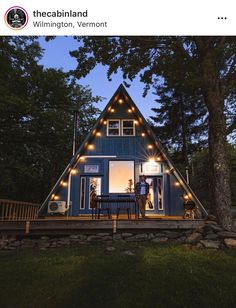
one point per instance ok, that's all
(120, 128)
(113, 128)
(128, 127)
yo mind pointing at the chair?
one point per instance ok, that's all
(102, 209)
(123, 208)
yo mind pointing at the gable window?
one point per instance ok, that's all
(113, 128)
(128, 128)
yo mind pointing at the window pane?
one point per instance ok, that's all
(113, 132)
(128, 124)
(82, 193)
(94, 188)
(114, 124)
(121, 176)
(150, 197)
(128, 131)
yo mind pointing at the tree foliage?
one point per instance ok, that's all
(36, 124)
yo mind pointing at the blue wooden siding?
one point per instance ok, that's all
(124, 148)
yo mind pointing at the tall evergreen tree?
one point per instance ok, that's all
(180, 121)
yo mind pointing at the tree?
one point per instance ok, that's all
(36, 124)
(203, 63)
(180, 122)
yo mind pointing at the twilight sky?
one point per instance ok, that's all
(57, 56)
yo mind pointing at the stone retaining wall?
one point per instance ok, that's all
(211, 235)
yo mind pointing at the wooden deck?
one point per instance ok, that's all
(72, 225)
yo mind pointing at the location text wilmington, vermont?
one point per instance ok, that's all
(61, 24)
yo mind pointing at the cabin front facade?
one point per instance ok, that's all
(119, 150)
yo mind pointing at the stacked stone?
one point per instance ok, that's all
(210, 235)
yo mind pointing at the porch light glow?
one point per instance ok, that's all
(136, 122)
(158, 158)
(129, 110)
(150, 146)
(151, 160)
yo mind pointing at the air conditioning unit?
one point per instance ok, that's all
(57, 207)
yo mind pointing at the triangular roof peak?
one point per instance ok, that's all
(121, 90)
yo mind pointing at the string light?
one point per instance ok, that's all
(112, 110)
(56, 198)
(82, 158)
(177, 184)
(167, 171)
(120, 100)
(64, 184)
(90, 146)
(98, 134)
(105, 122)
(133, 108)
(150, 146)
(73, 171)
(186, 197)
(136, 122)
(158, 158)
(143, 134)
(129, 110)
(151, 160)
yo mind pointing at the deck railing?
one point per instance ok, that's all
(18, 210)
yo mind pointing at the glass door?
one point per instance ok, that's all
(89, 187)
(154, 204)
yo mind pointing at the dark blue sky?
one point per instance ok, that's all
(57, 56)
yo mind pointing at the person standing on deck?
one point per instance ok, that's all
(141, 193)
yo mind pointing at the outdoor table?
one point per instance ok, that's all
(111, 201)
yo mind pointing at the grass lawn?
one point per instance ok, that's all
(89, 276)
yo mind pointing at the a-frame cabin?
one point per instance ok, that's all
(120, 148)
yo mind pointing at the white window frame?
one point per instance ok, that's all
(122, 127)
(108, 121)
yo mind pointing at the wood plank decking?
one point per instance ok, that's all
(71, 226)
